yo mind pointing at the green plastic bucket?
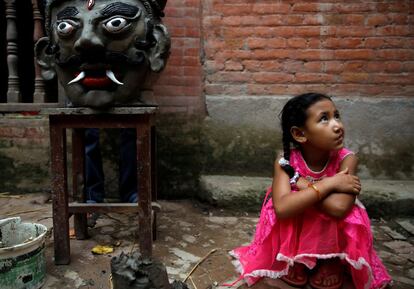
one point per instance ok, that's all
(22, 257)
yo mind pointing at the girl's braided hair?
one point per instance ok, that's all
(294, 113)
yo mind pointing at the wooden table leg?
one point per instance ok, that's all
(59, 194)
(144, 187)
(78, 177)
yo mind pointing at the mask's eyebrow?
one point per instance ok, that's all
(119, 8)
(68, 12)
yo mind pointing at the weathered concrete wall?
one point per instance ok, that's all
(241, 136)
(379, 130)
(24, 153)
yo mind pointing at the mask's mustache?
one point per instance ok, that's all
(112, 58)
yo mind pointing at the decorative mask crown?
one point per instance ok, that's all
(155, 8)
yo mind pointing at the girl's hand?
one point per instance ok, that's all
(343, 182)
(302, 183)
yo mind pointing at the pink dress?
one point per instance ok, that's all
(313, 235)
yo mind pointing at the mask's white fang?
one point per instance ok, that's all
(112, 77)
(77, 78)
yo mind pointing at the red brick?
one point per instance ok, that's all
(337, 43)
(314, 54)
(395, 54)
(293, 66)
(271, 54)
(231, 77)
(353, 54)
(365, 6)
(233, 66)
(213, 66)
(306, 7)
(333, 66)
(394, 66)
(313, 66)
(272, 8)
(297, 42)
(395, 30)
(377, 20)
(393, 7)
(354, 77)
(228, 10)
(408, 66)
(254, 43)
(354, 66)
(302, 77)
(261, 65)
(272, 77)
(399, 19)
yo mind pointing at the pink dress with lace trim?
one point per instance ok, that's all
(313, 235)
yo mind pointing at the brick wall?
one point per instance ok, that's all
(343, 48)
(179, 88)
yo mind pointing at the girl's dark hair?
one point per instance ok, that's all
(294, 113)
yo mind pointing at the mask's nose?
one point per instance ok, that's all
(89, 42)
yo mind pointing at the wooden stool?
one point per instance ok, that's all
(78, 119)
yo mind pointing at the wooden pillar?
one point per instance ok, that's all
(13, 92)
(39, 95)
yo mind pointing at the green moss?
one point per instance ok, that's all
(238, 151)
(396, 160)
(189, 147)
(13, 175)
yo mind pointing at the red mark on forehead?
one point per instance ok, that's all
(91, 3)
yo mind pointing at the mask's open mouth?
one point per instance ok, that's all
(96, 79)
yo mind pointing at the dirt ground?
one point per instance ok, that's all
(187, 231)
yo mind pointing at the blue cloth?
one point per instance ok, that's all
(94, 175)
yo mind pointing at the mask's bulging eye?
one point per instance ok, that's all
(65, 28)
(116, 25)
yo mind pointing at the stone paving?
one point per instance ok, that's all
(188, 231)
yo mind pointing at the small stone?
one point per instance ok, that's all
(400, 247)
(103, 239)
(223, 220)
(411, 273)
(379, 235)
(408, 256)
(123, 234)
(189, 239)
(169, 239)
(397, 260)
(107, 230)
(185, 224)
(404, 280)
(393, 234)
(407, 225)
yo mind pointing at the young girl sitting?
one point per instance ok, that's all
(313, 229)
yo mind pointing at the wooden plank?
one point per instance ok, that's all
(99, 121)
(20, 107)
(75, 208)
(127, 110)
